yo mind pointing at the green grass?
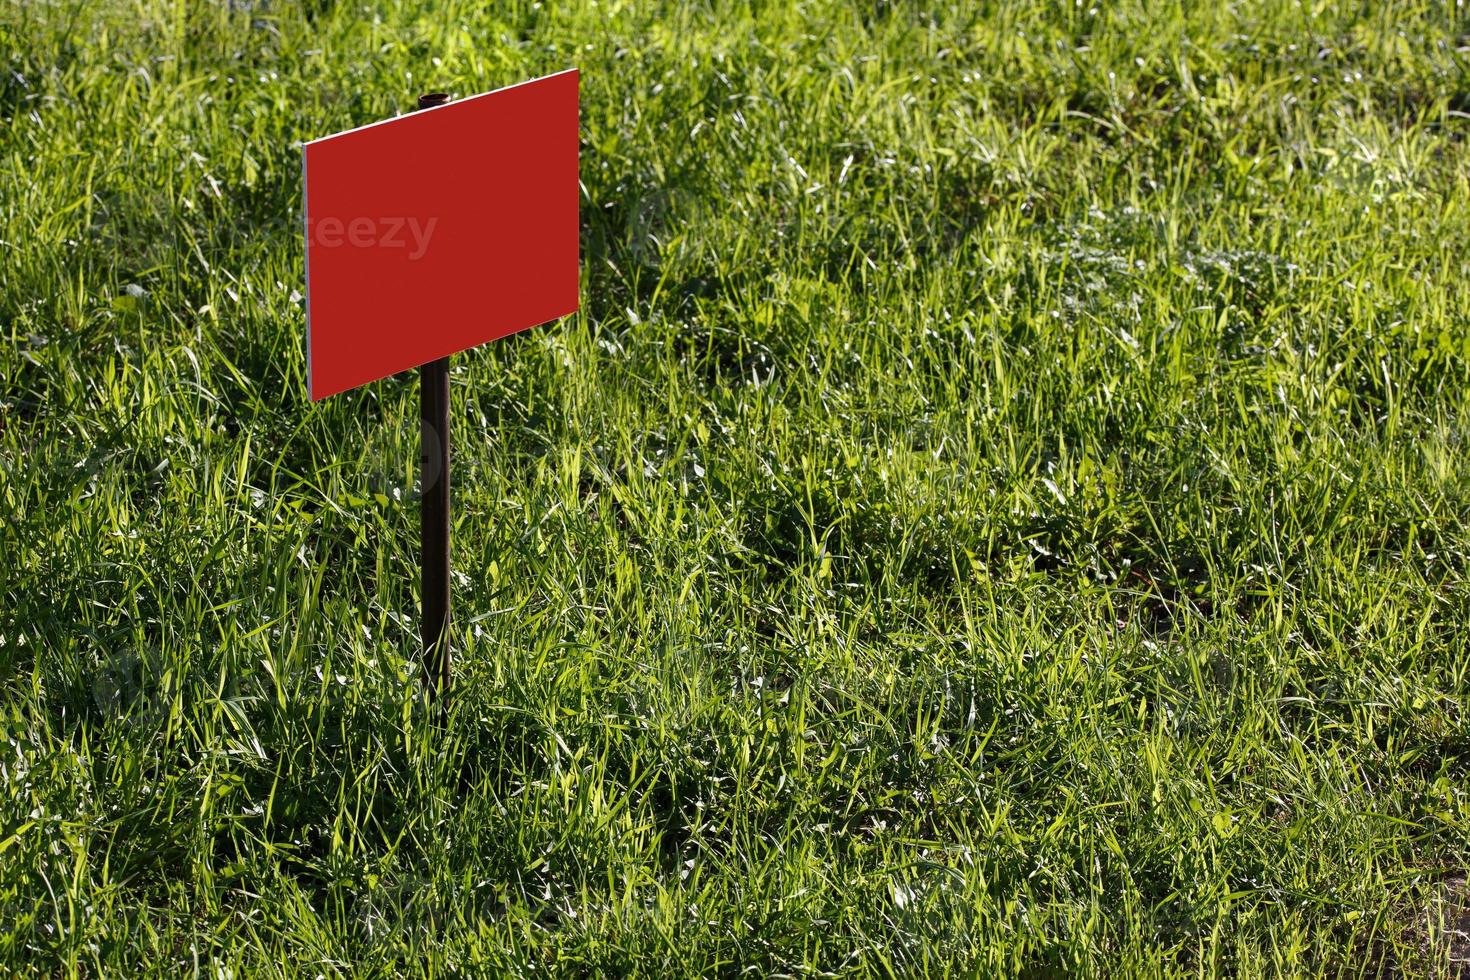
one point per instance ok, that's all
(1002, 508)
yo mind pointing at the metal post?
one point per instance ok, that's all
(434, 515)
(434, 522)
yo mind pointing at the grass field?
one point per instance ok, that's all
(1001, 510)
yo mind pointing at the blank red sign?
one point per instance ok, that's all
(440, 230)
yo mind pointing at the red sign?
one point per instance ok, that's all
(439, 230)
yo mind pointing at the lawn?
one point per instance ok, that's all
(1002, 509)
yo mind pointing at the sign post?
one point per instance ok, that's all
(434, 522)
(434, 506)
(402, 271)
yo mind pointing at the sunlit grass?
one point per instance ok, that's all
(1000, 510)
